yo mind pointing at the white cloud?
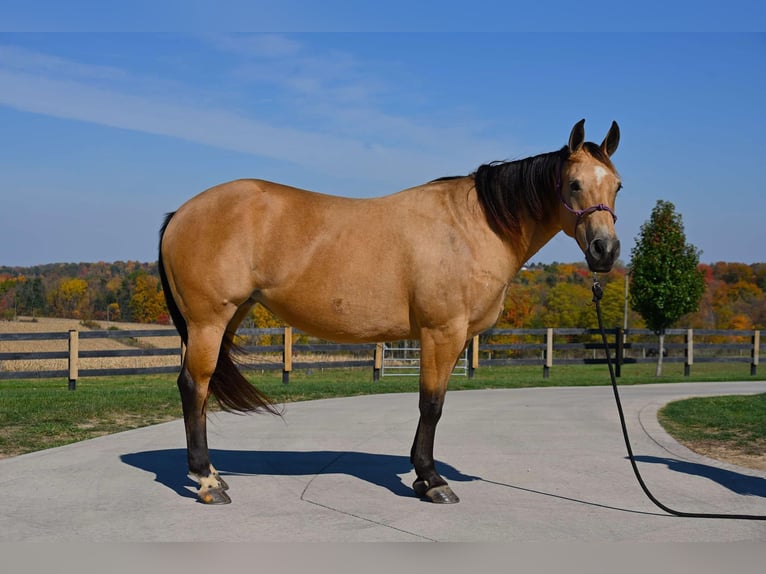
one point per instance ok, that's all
(337, 131)
(20, 59)
(77, 101)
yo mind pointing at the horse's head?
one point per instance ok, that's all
(587, 185)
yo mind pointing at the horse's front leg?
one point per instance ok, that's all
(194, 396)
(438, 358)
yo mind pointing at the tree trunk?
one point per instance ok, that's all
(660, 353)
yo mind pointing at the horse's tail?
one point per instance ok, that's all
(175, 312)
(230, 388)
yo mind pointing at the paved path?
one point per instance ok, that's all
(543, 464)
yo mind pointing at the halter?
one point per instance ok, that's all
(580, 213)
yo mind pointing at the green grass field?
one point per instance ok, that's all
(734, 422)
(38, 414)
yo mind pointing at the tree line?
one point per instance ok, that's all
(541, 295)
(118, 291)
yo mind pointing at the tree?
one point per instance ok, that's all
(70, 298)
(665, 281)
(265, 319)
(31, 297)
(565, 306)
(612, 307)
(520, 301)
(113, 312)
(147, 303)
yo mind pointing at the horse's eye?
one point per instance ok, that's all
(619, 187)
(574, 185)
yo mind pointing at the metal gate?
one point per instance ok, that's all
(405, 362)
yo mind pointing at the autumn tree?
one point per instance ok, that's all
(612, 307)
(520, 302)
(565, 306)
(264, 319)
(147, 304)
(8, 297)
(113, 312)
(70, 298)
(665, 282)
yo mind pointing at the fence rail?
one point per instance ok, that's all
(295, 350)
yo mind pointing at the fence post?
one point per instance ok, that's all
(755, 352)
(689, 352)
(620, 346)
(377, 362)
(473, 356)
(287, 355)
(548, 353)
(74, 351)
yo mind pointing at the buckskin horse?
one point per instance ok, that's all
(445, 253)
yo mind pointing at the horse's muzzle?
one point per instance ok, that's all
(601, 254)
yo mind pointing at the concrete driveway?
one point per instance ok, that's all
(530, 465)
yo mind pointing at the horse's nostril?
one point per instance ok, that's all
(602, 253)
(598, 248)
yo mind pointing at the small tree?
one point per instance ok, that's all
(665, 282)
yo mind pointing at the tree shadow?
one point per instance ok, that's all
(736, 482)
(169, 467)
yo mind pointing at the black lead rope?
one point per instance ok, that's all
(598, 292)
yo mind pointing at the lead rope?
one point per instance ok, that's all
(598, 292)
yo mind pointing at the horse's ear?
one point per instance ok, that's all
(577, 137)
(612, 140)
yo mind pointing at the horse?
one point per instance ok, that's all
(444, 255)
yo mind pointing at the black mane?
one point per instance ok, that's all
(507, 190)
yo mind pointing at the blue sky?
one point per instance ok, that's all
(101, 133)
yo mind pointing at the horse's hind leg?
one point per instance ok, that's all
(439, 354)
(193, 383)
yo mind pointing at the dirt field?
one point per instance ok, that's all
(49, 325)
(728, 454)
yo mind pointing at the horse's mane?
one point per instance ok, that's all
(508, 190)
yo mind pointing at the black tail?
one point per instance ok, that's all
(175, 312)
(232, 390)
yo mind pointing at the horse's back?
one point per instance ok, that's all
(311, 258)
(342, 268)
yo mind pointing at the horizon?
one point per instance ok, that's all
(619, 265)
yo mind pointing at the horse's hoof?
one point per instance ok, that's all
(215, 495)
(438, 494)
(442, 495)
(222, 482)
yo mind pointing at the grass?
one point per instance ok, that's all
(43, 414)
(38, 414)
(711, 423)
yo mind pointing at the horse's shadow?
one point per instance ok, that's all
(736, 482)
(169, 466)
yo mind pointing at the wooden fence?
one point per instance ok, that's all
(495, 347)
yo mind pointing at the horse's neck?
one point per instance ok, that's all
(534, 235)
(539, 234)
(508, 255)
